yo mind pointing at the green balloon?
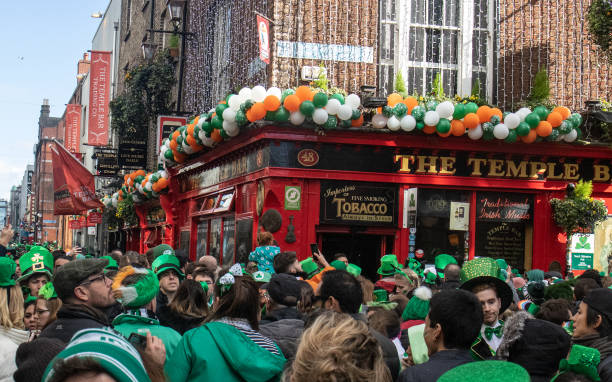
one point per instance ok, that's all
(217, 122)
(495, 120)
(331, 123)
(307, 108)
(522, 129)
(223, 134)
(179, 140)
(196, 131)
(339, 97)
(281, 115)
(356, 114)
(505, 113)
(286, 93)
(443, 126)
(487, 135)
(420, 125)
(207, 127)
(269, 116)
(182, 128)
(400, 110)
(320, 99)
(542, 112)
(579, 132)
(247, 104)
(169, 154)
(565, 128)
(241, 118)
(418, 113)
(470, 107)
(345, 124)
(139, 179)
(154, 178)
(487, 127)
(220, 108)
(431, 105)
(179, 148)
(554, 135)
(532, 119)
(387, 111)
(577, 119)
(511, 138)
(459, 111)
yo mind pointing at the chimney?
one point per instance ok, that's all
(44, 110)
(83, 66)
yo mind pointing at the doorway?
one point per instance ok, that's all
(361, 249)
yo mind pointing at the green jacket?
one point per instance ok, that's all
(219, 352)
(131, 322)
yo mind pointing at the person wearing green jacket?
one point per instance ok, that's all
(136, 288)
(228, 347)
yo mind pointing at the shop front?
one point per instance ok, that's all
(367, 193)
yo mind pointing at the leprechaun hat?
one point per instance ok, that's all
(485, 270)
(37, 260)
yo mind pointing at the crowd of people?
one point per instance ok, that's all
(157, 316)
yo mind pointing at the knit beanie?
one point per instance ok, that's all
(113, 352)
(138, 294)
(33, 357)
(418, 306)
(535, 275)
(285, 289)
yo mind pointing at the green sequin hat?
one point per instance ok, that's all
(442, 261)
(37, 260)
(581, 360)
(486, 371)
(388, 265)
(485, 270)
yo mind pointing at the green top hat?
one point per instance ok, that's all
(167, 262)
(261, 277)
(442, 261)
(581, 360)
(337, 264)
(309, 267)
(47, 291)
(388, 265)
(353, 269)
(381, 299)
(487, 371)
(7, 271)
(485, 270)
(37, 260)
(430, 278)
(112, 264)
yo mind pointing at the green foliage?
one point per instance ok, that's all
(578, 210)
(400, 86)
(110, 216)
(173, 41)
(438, 90)
(322, 82)
(476, 89)
(599, 21)
(540, 91)
(147, 94)
(583, 190)
(126, 211)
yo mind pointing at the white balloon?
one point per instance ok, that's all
(163, 174)
(147, 186)
(353, 101)
(259, 93)
(234, 102)
(345, 112)
(512, 120)
(431, 118)
(332, 106)
(501, 131)
(571, 136)
(319, 116)
(187, 149)
(379, 121)
(445, 109)
(408, 123)
(245, 94)
(522, 112)
(297, 118)
(229, 115)
(275, 92)
(393, 123)
(231, 128)
(202, 135)
(475, 133)
(207, 141)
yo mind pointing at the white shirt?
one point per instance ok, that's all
(494, 342)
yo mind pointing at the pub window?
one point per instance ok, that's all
(229, 241)
(603, 246)
(184, 241)
(215, 238)
(202, 238)
(244, 239)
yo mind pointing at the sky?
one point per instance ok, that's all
(41, 45)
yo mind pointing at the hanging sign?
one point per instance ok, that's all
(459, 216)
(263, 30)
(582, 249)
(94, 218)
(166, 124)
(72, 128)
(99, 93)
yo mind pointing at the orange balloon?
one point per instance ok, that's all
(250, 116)
(191, 141)
(457, 128)
(271, 103)
(484, 113)
(565, 112)
(544, 129)
(190, 129)
(163, 183)
(411, 103)
(379, 110)
(357, 122)
(216, 136)
(555, 119)
(196, 120)
(155, 187)
(429, 129)
(497, 112)
(175, 134)
(445, 134)
(258, 110)
(393, 99)
(126, 177)
(179, 157)
(173, 145)
(304, 93)
(531, 137)
(470, 121)
(140, 172)
(292, 103)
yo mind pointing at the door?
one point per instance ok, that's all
(361, 249)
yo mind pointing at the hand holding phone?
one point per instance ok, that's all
(138, 341)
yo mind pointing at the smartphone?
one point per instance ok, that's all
(138, 341)
(314, 248)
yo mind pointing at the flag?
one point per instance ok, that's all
(74, 189)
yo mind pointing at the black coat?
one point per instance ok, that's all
(73, 317)
(281, 312)
(179, 322)
(286, 333)
(438, 364)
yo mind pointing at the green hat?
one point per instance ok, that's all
(309, 267)
(7, 271)
(112, 264)
(388, 265)
(380, 295)
(430, 278)
(141, 292)
(341, 265)
(262, 277)
(47, 291)
(486, 371)
(162, 249)
(74, 272)
(29, 299)
(416, 266)
(37, 260)
(442, 261)
(381, 299)
(167, 262)
(418, 306)
(113, 352)
(516, 272)
(353, 269)
(503, 265)
(485, 270)
(581, 360)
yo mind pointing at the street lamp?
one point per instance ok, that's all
(148, 50)
(175, 8)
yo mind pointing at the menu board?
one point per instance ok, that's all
(501, 240)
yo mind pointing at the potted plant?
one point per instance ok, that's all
(173, 45)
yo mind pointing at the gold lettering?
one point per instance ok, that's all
(536, 169)
(477, 163)
(514, 171)
(496, 167)
(429, 161)
(601, 173)
(405, 161)
(338, 202)
(570, 171)
(551, 172)
(447, 166)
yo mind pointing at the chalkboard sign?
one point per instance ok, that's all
(501, 240)
(496, 206)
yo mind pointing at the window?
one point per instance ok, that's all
(229, 241)
(386, 48)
